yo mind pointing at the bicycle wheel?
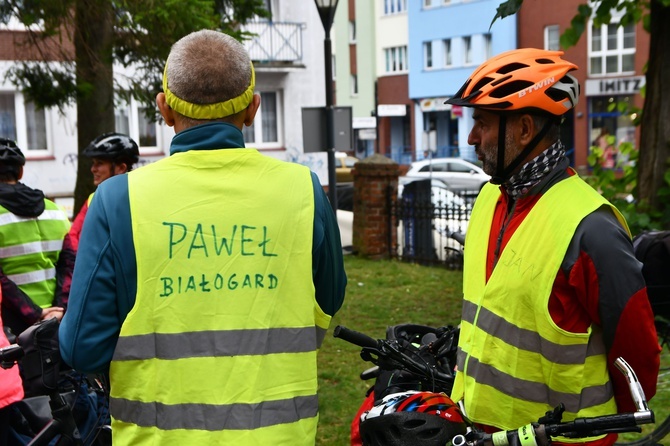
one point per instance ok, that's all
(653, 434)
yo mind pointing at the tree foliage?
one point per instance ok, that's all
(652, 161)
(71, 47)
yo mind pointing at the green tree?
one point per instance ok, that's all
(653, 170)
(88, 37)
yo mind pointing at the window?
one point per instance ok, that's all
(354, 85)
(552, 38)
(396, 59)
(146, 127)
(352, 31)
(7, 116)
(446, 44)
(612, 49)
(23, 122)
(35, 127)
(394, 6)
(132, 120)
(467, 50)
(427, 3)
(264, 133)
(428, 54)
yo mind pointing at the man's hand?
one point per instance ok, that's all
(51, 312)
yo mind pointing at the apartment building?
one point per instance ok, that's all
(611, 59)
(288, 55)
(448, 39)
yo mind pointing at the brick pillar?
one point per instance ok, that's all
(373, 177)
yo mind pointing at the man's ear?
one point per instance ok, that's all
(526, 129)
(165, 109)
(250, 112)
(20, 175)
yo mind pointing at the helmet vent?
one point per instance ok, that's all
(557, 95)
(501, 80)
(511, 67)
(510, 88)
(544, 61)
(484, 81)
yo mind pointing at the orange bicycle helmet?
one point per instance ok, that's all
(520, 80)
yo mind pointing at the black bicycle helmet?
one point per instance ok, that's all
(113, 146)
(421, 418)
(10, 154)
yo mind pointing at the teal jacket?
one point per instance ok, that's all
(104, 283)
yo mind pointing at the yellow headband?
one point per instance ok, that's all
(209, 111)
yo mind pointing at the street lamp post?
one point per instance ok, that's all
(327, 13)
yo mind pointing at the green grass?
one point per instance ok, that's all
(379, 294)
(384, 293)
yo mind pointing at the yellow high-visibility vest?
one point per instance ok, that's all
(221, 344)
(29, 250)
(514, 363)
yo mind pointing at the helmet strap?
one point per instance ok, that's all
(499, 177)
(502, 173)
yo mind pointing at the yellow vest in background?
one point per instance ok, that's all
(514, 362)
(221, 345)
(29, 250)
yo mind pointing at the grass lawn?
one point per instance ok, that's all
(384, 293)
(379, 294)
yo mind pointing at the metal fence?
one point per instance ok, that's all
(429, 221)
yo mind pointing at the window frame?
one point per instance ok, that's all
(467, 50)
(620, 52)
(548, 40)
(258, 124)
(448, 52)
(21, 127)
(428, 55)
(133, 112)
(396, 56)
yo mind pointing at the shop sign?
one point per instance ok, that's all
(434, 104)
(614, 85)
(364, 122)
(391, 110)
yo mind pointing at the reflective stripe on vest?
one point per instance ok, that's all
(30, 249)
(510, 351)
(220, 347)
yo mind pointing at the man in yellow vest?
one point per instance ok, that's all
(206, 281)
(553, 293)
(31, 237)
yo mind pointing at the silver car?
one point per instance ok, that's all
(456, 173)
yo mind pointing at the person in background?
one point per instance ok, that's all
(553, 293)
(205, 282)
(32, 229)
(11, 389)
(111, 154)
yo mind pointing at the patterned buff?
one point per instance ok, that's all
(534, 170)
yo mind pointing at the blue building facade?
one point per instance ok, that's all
(448, 39)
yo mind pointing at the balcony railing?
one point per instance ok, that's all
(275, 42)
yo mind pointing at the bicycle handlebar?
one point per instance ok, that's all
(355, 337)
(10, 354)
(542, 432)
(390, 350)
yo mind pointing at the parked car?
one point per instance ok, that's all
(456, 173)
(343, 165)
